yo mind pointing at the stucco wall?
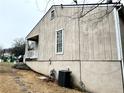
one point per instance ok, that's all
(98, 77)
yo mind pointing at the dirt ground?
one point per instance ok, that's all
(23, 81)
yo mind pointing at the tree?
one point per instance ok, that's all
(18, 47)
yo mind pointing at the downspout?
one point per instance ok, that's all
(119, 43)
(80, 64)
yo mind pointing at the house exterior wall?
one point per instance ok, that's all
(48, 29)
(98, 77)
(97, 42)
(92, 42)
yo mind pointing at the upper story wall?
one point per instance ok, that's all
(96, 39)
(47, 35)
(98, 35)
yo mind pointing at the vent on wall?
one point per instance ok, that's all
(52, 14)
(109, 1)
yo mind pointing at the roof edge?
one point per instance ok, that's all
(40, 20)
(70, 5)
(89, 4)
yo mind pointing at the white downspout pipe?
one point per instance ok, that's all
(118, 36)
(118, 41)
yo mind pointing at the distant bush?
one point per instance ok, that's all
(8, 59)
(5, 59)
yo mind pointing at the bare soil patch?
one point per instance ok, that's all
(24, 81)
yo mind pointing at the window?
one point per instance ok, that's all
(52, 14)
(59, 42)
(31, 45)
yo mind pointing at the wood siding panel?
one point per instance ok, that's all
(97, 35)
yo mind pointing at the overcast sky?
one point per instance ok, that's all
(18, 17)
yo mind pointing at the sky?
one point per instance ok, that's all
(18, 17)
